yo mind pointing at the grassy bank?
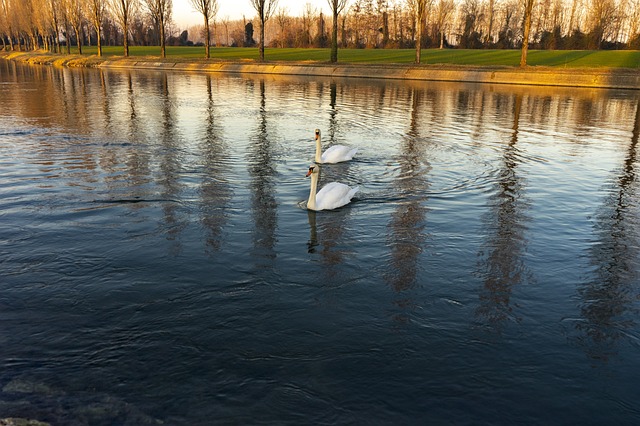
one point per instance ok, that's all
(484, 57)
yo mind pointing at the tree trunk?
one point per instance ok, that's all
(262, 39)
(207, 37)
(99, 40)
(125, 40)
(78, 41)
(68, 39)
(163, 50)
(419, 41)
(525, 32)
(420, 12)
(334, 37)
(34, 41)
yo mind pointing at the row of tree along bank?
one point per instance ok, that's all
(540, 76)
(495, 24)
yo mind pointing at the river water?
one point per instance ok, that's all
(159, 265)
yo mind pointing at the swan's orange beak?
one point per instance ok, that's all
(309, 173)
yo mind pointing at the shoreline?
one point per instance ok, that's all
(607, 78)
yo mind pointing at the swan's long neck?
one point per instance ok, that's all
(318, 149)
(311, 203)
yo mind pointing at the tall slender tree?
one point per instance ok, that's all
(526, 29)
(225, 22)
(123, 11)
(8, 18)
(419, 8)
(337, 6)
(76, 18)
(53, 9)
(265, 9)
(209, 9)
(601, 18)
(283, 20)
(97, 12)
(444, 10)
(161, 11)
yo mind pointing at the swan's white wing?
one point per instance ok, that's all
(334, 195)
(338, 153)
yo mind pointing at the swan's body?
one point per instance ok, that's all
(331, 196)
(333, 154)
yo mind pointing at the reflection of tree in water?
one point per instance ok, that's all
(106, 108)
(215, 190)
(262, 170)
(137, 160)
(608, 300)
(170, 167)
(406, 235)
(333, 113)
(502, 264)
(331, 224)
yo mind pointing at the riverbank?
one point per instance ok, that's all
(613, 78)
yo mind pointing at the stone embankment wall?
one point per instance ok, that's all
(614, 78)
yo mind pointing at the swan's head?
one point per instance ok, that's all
(314, 168)
(317, 134)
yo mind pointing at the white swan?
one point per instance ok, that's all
(333, 154)
(331, 196)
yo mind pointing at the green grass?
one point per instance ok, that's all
(482, 57)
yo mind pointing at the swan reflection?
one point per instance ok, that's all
(326, 239)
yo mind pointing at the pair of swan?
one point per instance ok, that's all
(333, 194)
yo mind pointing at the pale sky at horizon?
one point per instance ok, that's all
(184, 15)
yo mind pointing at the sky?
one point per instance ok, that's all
(184, 14)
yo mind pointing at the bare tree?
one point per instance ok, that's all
(443, 12)
(526, 29)
(7, 22)
(308, 16)
(225, 22)
(208, 8)
(26, 23)
(419, 9)
(491, 12)
(573, 18)
(53, 7)
(123, 11)
(634, 20)
(97, 11)
(265, 9)
(66, 24)
(601, 17)
(161, 12)
(75, 17)
(337, 6)
(42, 25)
(283, 20)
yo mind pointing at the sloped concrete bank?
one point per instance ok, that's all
(614, 78)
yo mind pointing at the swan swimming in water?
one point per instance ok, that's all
(331, 196)
(333, 154)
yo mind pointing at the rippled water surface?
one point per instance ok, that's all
(159, 265)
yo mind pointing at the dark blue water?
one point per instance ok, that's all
(158, 264)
